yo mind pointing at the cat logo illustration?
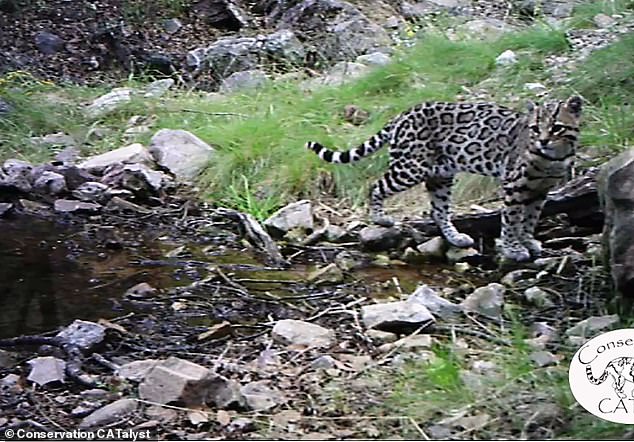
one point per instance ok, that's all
(602, 376)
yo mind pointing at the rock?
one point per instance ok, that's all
(113, 412)
(393, 22)
(341, 73)
(436, 304)
(222, 14)
(553, 8)
(300, 333)
(603, 21)
(377, 239)
(419, 9)
(84, 334)
(224, 393)
(506, 58)
(616, 193)
(235, 54)
(381, 337)
(91, 191)
(47, 369)
(72, 206)
(259, 396)
(244, 80)
(50, 183)
(347, 261)
(544, 358)
(17, 175)
(457, 254)
(140, 291)
(374, 59)
(397, 317)
(7, 359)
(487, 300)
(182, 153)
(11, 384)
(409, 343)
(54, 140)
(486, 29)
(338, 29)
(137, 178)
(109, 102)
(590, 326)
(158, 88)
(172, 25)
(328, 274)
(241, 425)
(338, 234)
(34, 207)
(95, 394)
(162, 414)
(324, 362)
(132, 154)
(292, 216)
(433, 249)
(538, 297)
(536, 88)
(49, 43)
(178, 380)
(136, 370)
(5, 209)
(355, 115)
(515, 277)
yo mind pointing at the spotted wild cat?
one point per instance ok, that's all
(431, 142)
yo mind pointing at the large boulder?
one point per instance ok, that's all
(616, 193)
(336, 28)
(236, 54)
(182, 153)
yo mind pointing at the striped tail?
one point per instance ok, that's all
(594, 380)
(369, 147)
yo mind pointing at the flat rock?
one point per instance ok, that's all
(293, 216)
(73, 206)
(301, 333)
(377, 239)
(590, 326)
(84, 334)
(433, 248)
(374, 59)
(486, 29)
(409, 343)
(176, 380)
(137, 370)
(181, 152)
(47, 369)
(109, 102)
(436, 304)
(132, 154)
(487, 300)
(538, 297)
(110, 413)
(396, 317)
(244, 80)
(259, 396)
(158, 88)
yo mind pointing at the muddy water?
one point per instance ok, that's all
(52, 274)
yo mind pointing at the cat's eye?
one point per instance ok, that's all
(558, 128)
(535, 129)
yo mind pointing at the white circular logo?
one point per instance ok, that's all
(602, 376)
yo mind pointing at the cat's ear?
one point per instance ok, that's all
(574, 105)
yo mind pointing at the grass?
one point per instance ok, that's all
(586, 11)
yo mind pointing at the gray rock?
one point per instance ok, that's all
(49, 43)
(436, 304)
(327, 274)
(378, 239)
(396, 317)
(244, 80)
(172, 25)
(434, 248)
(486, 29)
(234, 54)
(224, 14)
(47, 369)
(516, 277)
(224, 393)
(54, 140)
(538, 297)
(109, 102)
(616, 193)
(590, 326)
(345, 34)
(132, 154)
(337, 234)
(341, 73)
(84, 334)
(457, 254)
(347, 261)
(418, 9)
(7, 359)
(137, 178)
(182, 153)
(295, 215)
(11, 384)
(177, 380)
(108, 414)
(506, 58)
(323, 362)
(374, 59)
(409, 343)
(50, 183)
(91, 191)
(544, 358)
(301, 333)
(536, 88)
(487, 300)
(552, 8)
(73, 206)
(137, 370)
(259, 396)
(603, 21)
(381, 337)
(5, 209)
(158, 88)
(13, 167)
(140, 291)
(95, 394)
(5, 107)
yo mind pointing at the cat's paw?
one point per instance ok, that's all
(461, 240)
(382, 220)
(534, 247)
(516, 254)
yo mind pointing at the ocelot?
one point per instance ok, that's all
(529, 153)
